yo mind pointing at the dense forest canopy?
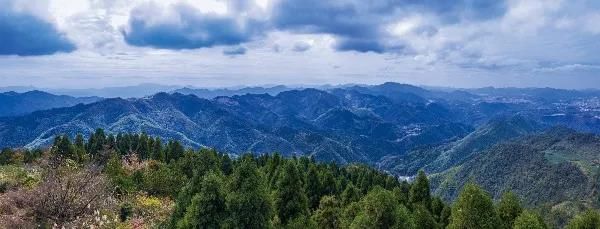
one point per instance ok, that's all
(137, 181)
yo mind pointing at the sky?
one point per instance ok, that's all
(224, 43)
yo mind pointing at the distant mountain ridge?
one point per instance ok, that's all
(135, 91)
(142, 90)
(398, 127)
(306, 122)
(212, 93)
(13, 103)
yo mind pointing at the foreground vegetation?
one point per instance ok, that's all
(135, 181)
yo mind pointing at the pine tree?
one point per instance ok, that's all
(437, 206)
(157, 151)
(529, 220)
(226, 165)
(119, 144)
(391, 182)
(207, 208)
(249, 204)
(118, 176)
(422, 218)
(420, 192)
(589, 219)
(208, 160)
(473, 209)
(163, 179)
(63, 148)
(6, 156)
(80, 147)
(328, 183)
(110, 142)
(143, 147)
(509, 208)
(329, 213)
(350, 194)
(300, 222)
(184, 198)
(313, 187)
(401, 192)
(290, 200)
(96, 142)
(273, 168)
(174, 151)
(377, 211)
(365, 182)
(445, 216)
(349, 213)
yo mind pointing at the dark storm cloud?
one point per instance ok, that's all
(359, 25)
(453, 11)
(360, 18)
(25, 34)
(191, 30)
(317, 16)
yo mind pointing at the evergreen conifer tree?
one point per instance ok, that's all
(473, 209)
(509, 208)
(329, 213)
(290, 200)
(419, 192)
(207, 208)
(589, 219)
(529, 220)
(249, 203)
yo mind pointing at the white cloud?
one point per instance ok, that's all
(406, 26)
(530, 38)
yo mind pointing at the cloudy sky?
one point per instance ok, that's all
(216, 43)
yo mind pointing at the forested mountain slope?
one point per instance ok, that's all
(398, 127)
(434, 159)
(559, 165)
(342, 126)
(136, 181)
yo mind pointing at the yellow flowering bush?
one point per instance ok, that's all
(12, 176)
(148, 212)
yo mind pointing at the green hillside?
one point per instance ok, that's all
(440, 158)
(557, 169)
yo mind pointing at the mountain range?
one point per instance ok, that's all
(142, 90)
(343, 126)
(14, 103)
(385, 124)
(490, 135)
(135, 91)
(212, 93)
